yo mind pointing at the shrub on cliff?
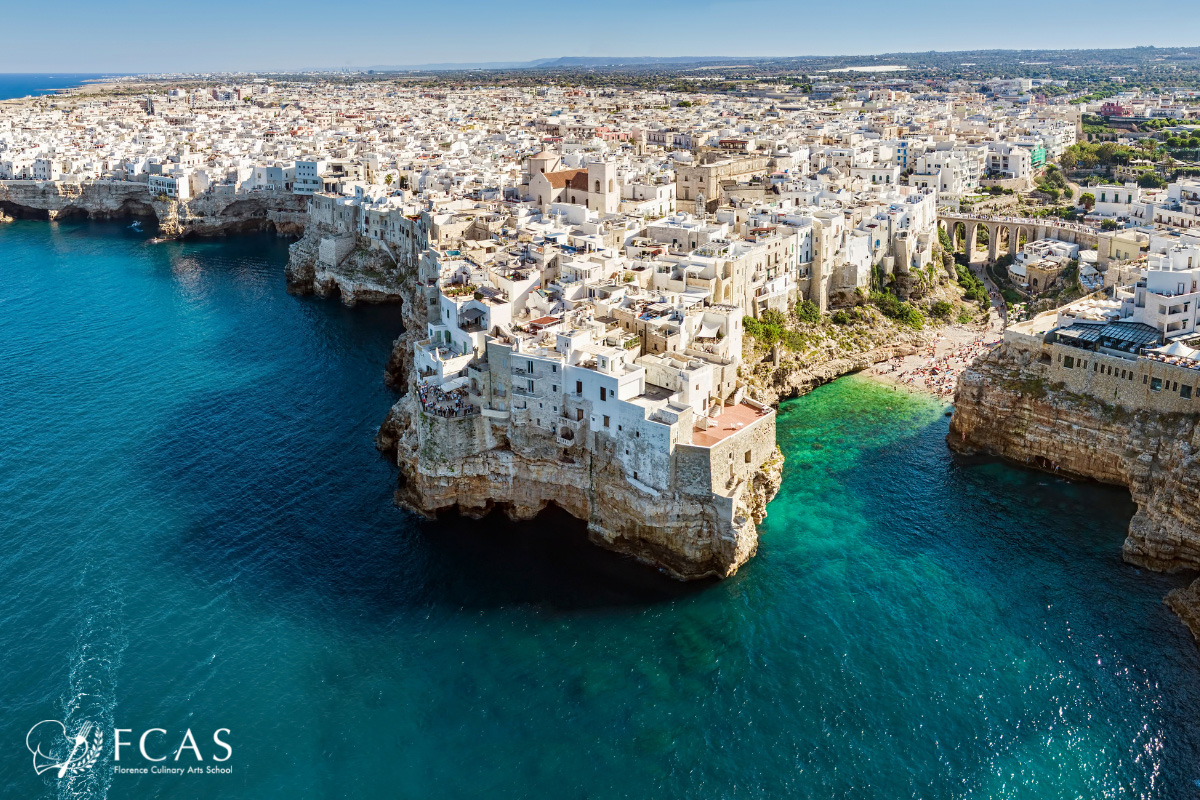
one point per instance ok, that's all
(898, 310)
(808, 311)
(765, 331)
(975, 290)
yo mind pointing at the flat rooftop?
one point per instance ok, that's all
(732, 420)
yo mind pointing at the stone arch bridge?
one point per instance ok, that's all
(965, 228)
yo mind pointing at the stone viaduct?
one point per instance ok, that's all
(965, 228)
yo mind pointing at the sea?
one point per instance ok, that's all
(25, 84)
(198, 535)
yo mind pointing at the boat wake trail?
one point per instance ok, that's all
(91, 696)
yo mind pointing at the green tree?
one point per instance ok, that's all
(1149, 180)
(808, 311)
(1087, 200)
(944, 239)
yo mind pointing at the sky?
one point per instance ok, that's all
(127, 36)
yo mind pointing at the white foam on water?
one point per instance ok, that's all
(91, 695)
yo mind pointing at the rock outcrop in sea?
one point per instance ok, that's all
(1009, 404)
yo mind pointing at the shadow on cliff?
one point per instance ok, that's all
(276, 492)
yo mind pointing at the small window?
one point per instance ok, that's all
(1145, 379)
(606, 420)
(747, 456)
(1156, 384)
(603, 397)
(1069, 362)
(1185, 392)
(578, 387)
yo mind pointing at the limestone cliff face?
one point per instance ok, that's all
(364, 276)
(207, 215)
(476, 465)
(1008, 405)
(794, 378)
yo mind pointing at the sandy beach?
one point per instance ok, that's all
(934, 369)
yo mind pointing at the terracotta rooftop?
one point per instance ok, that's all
(573, 178)
(732, 420)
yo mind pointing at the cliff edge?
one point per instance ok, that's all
(1016, 403)
(475, 465)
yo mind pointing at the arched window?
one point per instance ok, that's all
(540, 200)
(610, 185)
(597, 187)
(573, 198)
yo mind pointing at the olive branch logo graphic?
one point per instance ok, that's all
(48, 736)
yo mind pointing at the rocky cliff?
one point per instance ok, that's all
(1007, 405)
(365, 275)
(476, 465)
(206, 215)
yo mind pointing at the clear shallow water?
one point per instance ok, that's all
(23, 84)
(199, 533)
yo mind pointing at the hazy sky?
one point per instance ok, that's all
(142, 36)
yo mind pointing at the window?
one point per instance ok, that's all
(606, 420)
(554, 388)
(1069, 362)
(578, 387)
(1185, 392)
(747, 456)
(1156, 384)
(603, 397)
(529, 369)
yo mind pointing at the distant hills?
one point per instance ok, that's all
(564, 62)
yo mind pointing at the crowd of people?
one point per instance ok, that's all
(453, 403)
(936, 374)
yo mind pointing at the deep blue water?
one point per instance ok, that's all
(198, 533)
(22, 84)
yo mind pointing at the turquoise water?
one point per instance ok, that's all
(198, 533)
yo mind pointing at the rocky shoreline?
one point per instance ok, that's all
(207, 215)
(1005, 407)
